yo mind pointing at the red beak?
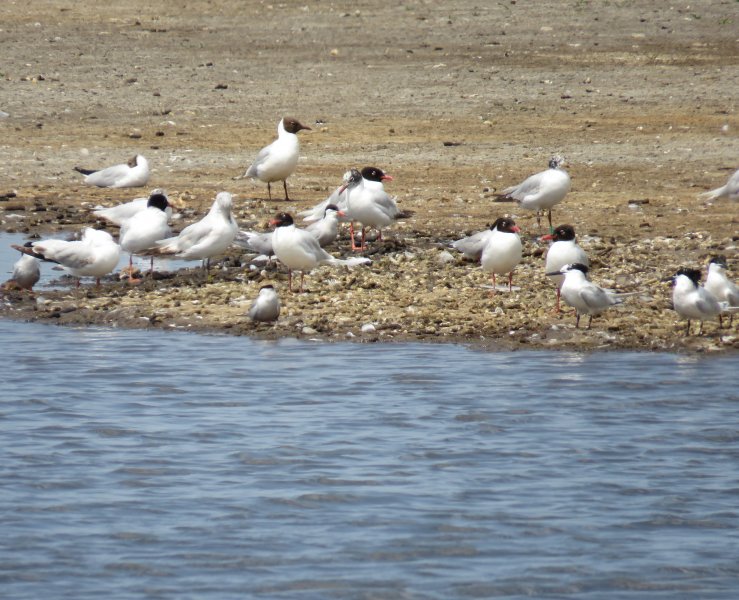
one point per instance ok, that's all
(548, 236)
(341, 213)
(516, 228)
(342, 188)
(386, 177)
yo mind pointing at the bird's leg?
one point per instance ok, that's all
(302, 275)
(577, 320)
(558, 309)
(687, 331)
(551, 227)
(290, 279)
(151, 266)
(494, 290)
(538, 219)
(269, 190)
(284, 184)
(700, 328)
(510, 281)
(379, 235)
(590, 321)
(351, 234)
(364, 245)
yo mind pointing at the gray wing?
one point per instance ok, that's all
(597, 299)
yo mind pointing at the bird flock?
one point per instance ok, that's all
(360, 200)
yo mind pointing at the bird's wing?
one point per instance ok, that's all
(188, 237)
(596, 298)
(260, 159)
(108, 176)
(529, 186)
(74, 255)
(706, 302)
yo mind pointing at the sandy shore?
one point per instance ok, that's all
(454, 101)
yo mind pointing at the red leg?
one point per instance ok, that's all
(351, 234)
(510, 281)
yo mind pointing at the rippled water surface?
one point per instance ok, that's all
(155, 465)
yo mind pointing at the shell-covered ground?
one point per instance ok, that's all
(455, 100)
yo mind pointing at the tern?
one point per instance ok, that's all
(690, 300)
(583, 295)
(564, 251)
(502, 250)
(541, 191)
(278, 160)
(26, 273)
(299, 250)
(266, 306)
(725, 290)
(134, 173)
(368, 205)
(327, 229)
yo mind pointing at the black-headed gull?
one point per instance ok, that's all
(370, 206)
(564, 251)
(327, 229)
(277, 161)
(583, 295)
(266, 306)
(540, 191)
(95, 255)
(692, 301)
(730, 190)
(122, 212)
(725, 290)
(140, 232)
(502, 250)
(134, 173)
(26, 273)
(373, 180)
(206, 238)
(299, 250)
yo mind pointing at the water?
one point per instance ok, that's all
(171, 465)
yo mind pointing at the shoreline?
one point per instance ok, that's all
(362, 305)
(454, 101)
